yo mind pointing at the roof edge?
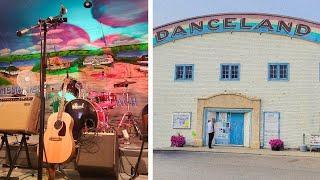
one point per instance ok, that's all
(235, 13)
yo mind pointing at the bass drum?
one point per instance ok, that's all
(85, 114)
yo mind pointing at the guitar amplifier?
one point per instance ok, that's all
(98, 155)
(19, 114)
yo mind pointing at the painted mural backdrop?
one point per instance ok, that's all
(100, 48)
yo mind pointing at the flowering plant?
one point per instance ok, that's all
(276, 144)
(178, 140)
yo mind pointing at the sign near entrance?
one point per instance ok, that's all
(315, 139)
(260, 23)
(181, 120)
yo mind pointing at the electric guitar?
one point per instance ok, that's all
(59, 145)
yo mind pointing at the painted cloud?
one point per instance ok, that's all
(120, 13)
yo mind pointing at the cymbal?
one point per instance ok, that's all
(124, 83)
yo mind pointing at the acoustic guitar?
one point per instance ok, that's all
(59, 145)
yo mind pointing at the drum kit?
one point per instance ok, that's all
(90, 110)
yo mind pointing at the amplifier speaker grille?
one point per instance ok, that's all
(98, 155)
(19, 114)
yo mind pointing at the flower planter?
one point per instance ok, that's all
(275, 148)
(276, 144)
(178, 141)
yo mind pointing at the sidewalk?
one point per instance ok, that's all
(242, 150)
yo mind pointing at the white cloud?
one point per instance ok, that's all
(55, 31)
(90, 46)
(143, 38)
(37, 48)
(68, 48)
(21, 51)
(98, 44)
(77, 42)
(52, 31)
(34, 48)
(5, 52)
(53, 41)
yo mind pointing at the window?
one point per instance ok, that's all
(184, 72)
(278, 71)
(230, 72)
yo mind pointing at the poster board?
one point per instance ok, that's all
(222, 128)
(181, 120)
(315, 139)
(271, 126)
(223, 117)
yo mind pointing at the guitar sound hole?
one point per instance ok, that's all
(58, 124)
(62, 131)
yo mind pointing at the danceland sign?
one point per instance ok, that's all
(260, 23)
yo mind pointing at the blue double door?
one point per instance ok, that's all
(229, 128)
(236, 128)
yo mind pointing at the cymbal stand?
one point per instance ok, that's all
(128, 113)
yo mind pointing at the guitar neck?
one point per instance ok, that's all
(61, 106)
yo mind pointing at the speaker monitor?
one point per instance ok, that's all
(98, 155)
(19, 114)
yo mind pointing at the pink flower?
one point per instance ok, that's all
(276, 144)
(178, 140)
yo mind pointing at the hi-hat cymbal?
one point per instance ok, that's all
(124, 83)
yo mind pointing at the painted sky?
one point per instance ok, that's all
(107, 23)
(166, 11)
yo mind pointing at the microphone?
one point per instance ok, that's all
(22, 32)
(26, 30)
(63, 10)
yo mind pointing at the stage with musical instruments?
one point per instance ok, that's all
(96, 125)
(74, 90)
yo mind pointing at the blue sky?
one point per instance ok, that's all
(165, 11)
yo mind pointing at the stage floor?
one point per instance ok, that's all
(72, 174)
(129, 156)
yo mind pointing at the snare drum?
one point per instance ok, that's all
(85, 114)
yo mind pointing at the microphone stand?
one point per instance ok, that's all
(44, 25)
(43, 67)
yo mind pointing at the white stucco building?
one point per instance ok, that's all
(256, 74)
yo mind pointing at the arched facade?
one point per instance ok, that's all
(272, 61)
